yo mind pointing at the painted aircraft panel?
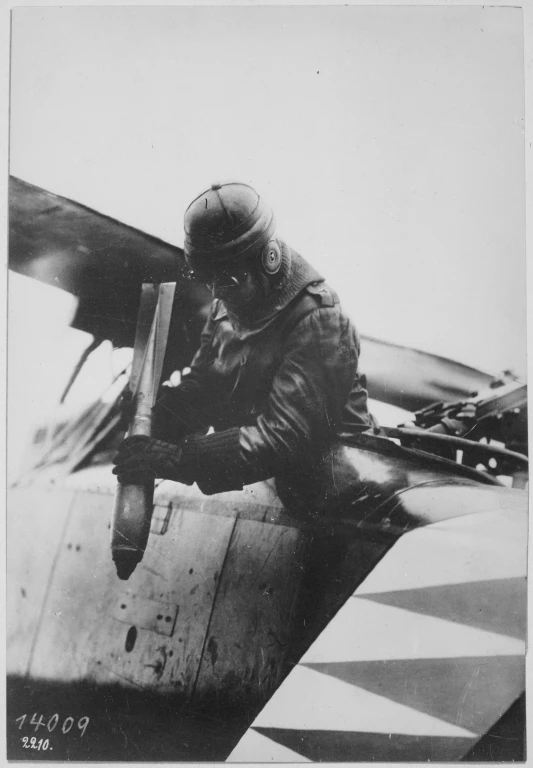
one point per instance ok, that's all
(420, 662)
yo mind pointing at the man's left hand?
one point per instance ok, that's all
(141, 459)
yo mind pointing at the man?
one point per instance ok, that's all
(276, 375)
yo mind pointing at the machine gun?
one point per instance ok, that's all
(494, 433)
(490, 405)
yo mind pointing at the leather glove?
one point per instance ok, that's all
(141, 459)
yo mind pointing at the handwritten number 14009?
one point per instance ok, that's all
(52, 722)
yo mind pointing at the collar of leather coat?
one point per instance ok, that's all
(296, 275)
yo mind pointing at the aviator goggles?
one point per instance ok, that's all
(223, 278)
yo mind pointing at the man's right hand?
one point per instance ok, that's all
(141, 459)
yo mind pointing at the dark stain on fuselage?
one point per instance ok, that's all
(212, 650)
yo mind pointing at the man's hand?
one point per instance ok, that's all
(141, 459)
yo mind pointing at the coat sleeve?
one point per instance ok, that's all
(304, 408)
(182, 410)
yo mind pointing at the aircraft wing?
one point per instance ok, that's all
(101, 261)
(104, 262)
(411, 379)
(420, 663)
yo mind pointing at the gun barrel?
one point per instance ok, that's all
(501, 399)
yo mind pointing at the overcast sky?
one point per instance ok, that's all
(388, 139)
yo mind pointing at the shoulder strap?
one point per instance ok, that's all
(315, 295)
(327, 296)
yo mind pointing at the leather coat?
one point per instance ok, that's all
(276, 391)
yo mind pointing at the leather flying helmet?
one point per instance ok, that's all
(227, 226)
